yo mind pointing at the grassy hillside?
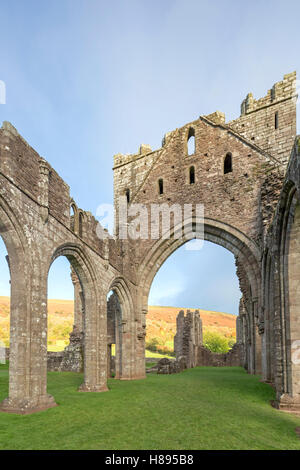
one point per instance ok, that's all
(161, 324)
(60, 322)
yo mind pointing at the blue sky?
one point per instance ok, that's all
(88, 79)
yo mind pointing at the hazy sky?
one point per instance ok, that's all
(88, 79)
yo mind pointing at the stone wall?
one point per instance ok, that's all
(188, 336)
(281, 299)
(36, 227)
(207, 358)
(238, 205)
(238, 171)
(188, 346)
(257, 120)
(54, 360)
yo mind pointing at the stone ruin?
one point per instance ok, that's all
(188, 344)
(188, 337)
(246, 173)
(190, 351)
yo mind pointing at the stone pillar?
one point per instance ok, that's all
(114, 331)
(241, 333)
(257, 339)
(127, 333)
(118, 346)
(140, 367)
(251, 337)
(258, 352)
(109, 360)
(78, 304)
(248, 345)
(239, 337)
(28, 345)
(95, 341)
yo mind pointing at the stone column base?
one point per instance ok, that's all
(136, 377)
(26, 406)
(288, 403)
(268, 382)
(93, 388)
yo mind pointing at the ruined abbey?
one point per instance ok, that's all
(245, 172)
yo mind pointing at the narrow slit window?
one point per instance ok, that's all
(160, 186)
(192, 175)
(72, 217)
(228, 163)
(191, 141)
(80, 223)
(128, 195)
(276, 120)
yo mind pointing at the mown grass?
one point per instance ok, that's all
(150, 364)
(201, 408)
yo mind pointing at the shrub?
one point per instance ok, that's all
(215, 342)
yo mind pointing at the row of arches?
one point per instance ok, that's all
(29, 291)
(34, 359)
(281, 274)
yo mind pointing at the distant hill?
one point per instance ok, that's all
(60, 322)
(161, 323)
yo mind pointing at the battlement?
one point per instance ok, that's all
(270, 121)
(144, 150)
(280, 91)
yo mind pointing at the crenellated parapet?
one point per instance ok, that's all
(270, 121)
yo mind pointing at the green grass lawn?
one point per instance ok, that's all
(201, 408)
(156, 354)
(149, 365)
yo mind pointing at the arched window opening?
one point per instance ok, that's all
(276, 120)
(228, 163)
(191, 141)
(160, 186)
(64, 306)
(128, 195)
(73, 212)
(192, 175)
(80, 224)
(114, 336)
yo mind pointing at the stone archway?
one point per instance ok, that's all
(287, 305)
(114, 335)
(247, 254)
(127, 354)
(293, 298)
(94, 318)
(27, 389)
